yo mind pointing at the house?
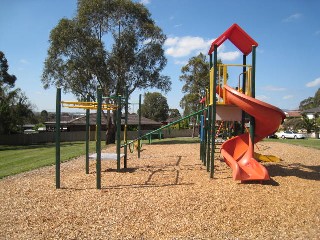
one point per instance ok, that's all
(79, 123)
(312, 112)
(292, 113)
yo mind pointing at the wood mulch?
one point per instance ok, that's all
(167, 194)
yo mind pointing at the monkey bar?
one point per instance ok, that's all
(88, 105)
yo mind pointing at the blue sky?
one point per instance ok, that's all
(287, 31)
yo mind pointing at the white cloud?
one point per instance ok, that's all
(287, 97)
(145, 2)
(24, 61)
(177, 62)
(314, 83)
(262, 97)
(229, 56)
(273, 88)
(184, 46)
(293, 17)
(171, 41)
(178, 47)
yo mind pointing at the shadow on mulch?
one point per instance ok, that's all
(147, 185)
(270, 182)
(122, 170)
(170, 142)
(153, 170)
(296, 169)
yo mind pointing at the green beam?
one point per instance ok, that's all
(118, 132)
(214, 109)
(208, 140)
(126, 127)
(58, 119)
(87, 136)
(139, 127)
(98, 140)
(244, 78)
(253, 91)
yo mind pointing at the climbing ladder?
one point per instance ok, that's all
(218, 142)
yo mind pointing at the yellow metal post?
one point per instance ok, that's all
(211, 85)
(225, 70)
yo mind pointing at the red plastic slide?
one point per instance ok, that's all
(238, 151)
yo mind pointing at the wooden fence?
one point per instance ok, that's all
(49, 137)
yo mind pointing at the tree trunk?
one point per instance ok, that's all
(193, 127)
(111, 132)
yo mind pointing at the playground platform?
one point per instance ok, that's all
(105, 156)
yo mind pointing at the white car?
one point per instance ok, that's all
(290, 134)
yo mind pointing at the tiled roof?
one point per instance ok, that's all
(133, 119)
(312, 110)
(293, 113)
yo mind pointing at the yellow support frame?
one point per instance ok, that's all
(87, 105)
(211, 86)
(223, 71)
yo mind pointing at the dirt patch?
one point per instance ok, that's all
(166, 194)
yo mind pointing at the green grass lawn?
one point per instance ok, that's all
(309, 142)
(17, 159)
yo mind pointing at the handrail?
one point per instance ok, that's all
(163, 127)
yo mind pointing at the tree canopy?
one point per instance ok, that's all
(195, 74)
(15, 108)
(310, 102)
(155, 107)
(174, 113)
(109, 44)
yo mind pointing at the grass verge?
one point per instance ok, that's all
(309, 142)
(17, 159)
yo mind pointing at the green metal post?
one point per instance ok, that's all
(139, 126)
(244, 77)
(87, 136)
(208, 138)
(204, 149)
(58, 118)
(98, 140)
(214, 109)
(118, 133)
(253, 91)
(205, 131)
(125, 128)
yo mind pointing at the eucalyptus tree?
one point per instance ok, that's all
(155, 107)
(195, 74)
(15, 108)
(109, 44)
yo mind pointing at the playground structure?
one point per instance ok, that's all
(221, 104)
(238, 152)
(98, 156)
(98, 106)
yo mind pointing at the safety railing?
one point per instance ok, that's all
(222, 80)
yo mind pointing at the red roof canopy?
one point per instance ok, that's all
(238, 37)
